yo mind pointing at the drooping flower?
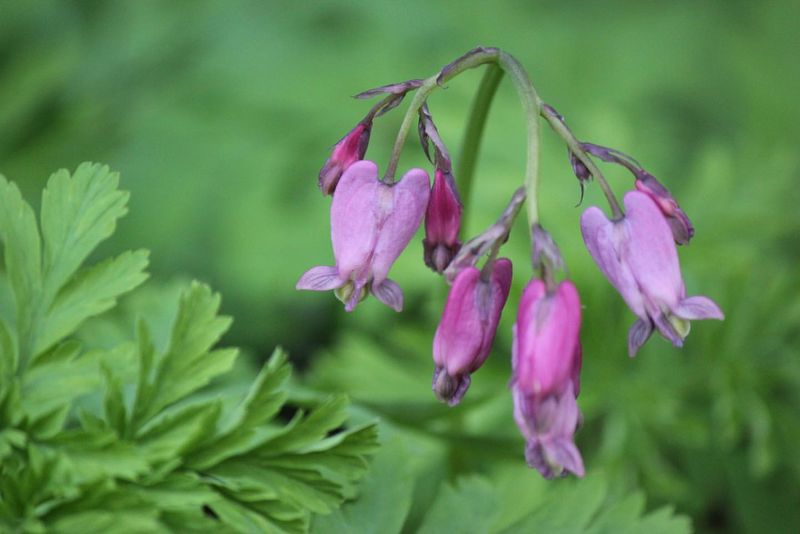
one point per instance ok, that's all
(547, 362)
(350, 149)
(638, 256)
(466, 332)
(371, 223)
(442, 222)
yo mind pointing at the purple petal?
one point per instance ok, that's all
(638, 335)
(563, 452)
(698, 307)
(354, 218)
(651, 252)
(604, 239)
(405, 203)
(389, 293)
(458, 337)
(320, 278)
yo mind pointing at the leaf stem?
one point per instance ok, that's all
(473, 134)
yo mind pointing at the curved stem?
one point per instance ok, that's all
(473, 134)
(469, 60)
(575, 147)
(532, 105)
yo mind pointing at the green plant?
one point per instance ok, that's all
(123, 438)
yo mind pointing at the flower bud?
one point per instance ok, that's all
(546, 362)
(637, 255)
(442, 222)
(351, 148)
(679, 223)
(466, 332)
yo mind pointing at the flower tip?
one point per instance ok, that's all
(449, 389)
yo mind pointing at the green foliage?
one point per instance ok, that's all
(149, 453)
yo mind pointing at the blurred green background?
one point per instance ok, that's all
(219, 115)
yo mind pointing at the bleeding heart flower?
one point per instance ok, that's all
(638, 256)
(371, 223)
(547, 362)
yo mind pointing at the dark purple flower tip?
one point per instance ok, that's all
(351, 148)
(679, 223)
(450, 389)
(442, 222)
(579, 168)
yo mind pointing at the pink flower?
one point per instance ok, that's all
(466, 332)
(638, 256)
(442, 222)
(371, 223)
(348, 150)
(547, 362)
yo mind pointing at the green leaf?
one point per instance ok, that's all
(8, 355)
(78, 212)
(187, 365)
(93, 291)
(22, 251)
(242, 431)
(384, 499)
(466, 507)
(175, 431)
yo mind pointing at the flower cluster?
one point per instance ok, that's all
(373, 219)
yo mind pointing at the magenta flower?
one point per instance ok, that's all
(348, 150)
(638, 256)
(371, 224)
(547, 362)
(442, 222)
(466, 332)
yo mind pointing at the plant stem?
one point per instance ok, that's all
(575, 147)
(532, 105)
(469, 60)
(473, 134)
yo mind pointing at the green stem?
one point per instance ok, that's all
(429, 85)
(575, 147)
(532, 105)
(470, 145)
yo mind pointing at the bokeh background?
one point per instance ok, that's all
(219, 114)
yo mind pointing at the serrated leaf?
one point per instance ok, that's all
(384, 498)
(114, 402)
(78, 212)
(187, 365)
(242, 431)
(22, 252)
(91, 292)
(177, 430)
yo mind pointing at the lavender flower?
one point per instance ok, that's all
(547, 362)
(466, 332)
(371, 223)
(638, 256)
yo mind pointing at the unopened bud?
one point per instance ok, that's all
(351, 148)
(442, 222)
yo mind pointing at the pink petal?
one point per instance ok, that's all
(389, 293)
(354, 218)
(320, 278)
(404, 205)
